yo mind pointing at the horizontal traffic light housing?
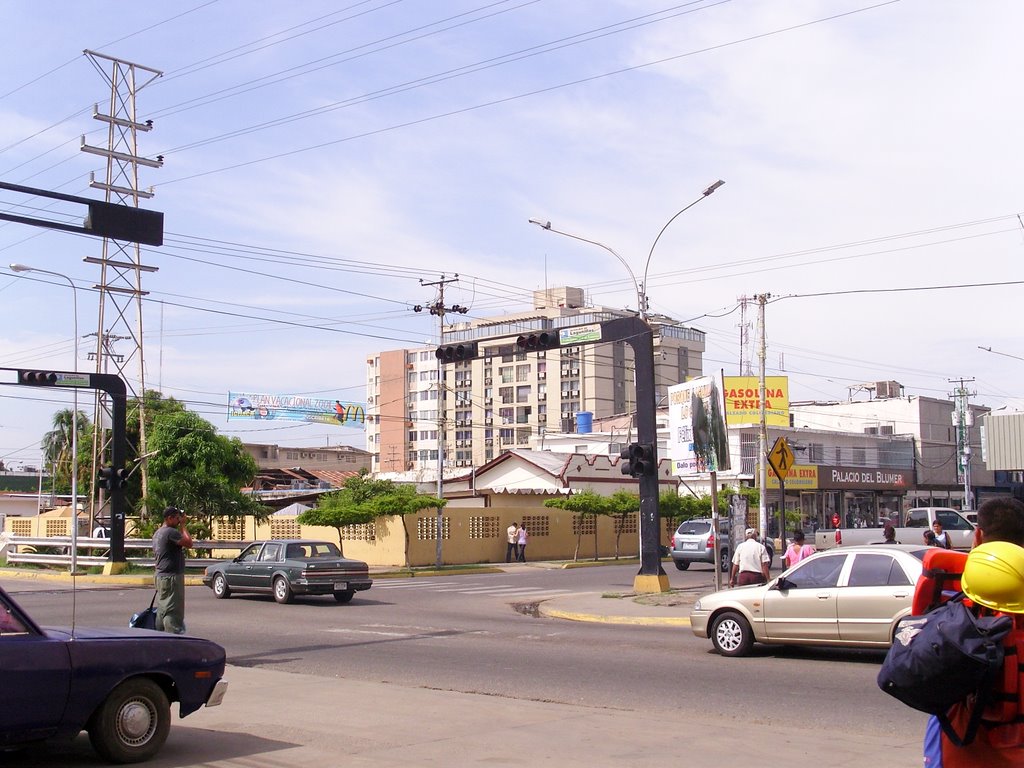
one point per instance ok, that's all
(454, 353)
(533, 342)
(38, 378)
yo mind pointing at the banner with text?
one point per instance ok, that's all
(743, 405)
(251, 405)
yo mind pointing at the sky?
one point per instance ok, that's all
(323, 160)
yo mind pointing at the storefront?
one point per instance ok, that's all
(841, 497)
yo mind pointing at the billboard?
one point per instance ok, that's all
(252, 405)
(697, 441)
(743, 404)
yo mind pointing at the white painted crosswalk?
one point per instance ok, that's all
(463, 587)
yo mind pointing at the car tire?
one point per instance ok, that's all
(132, 722)
(282, 590)
(220, 587)
(345, 597)
(723, 560)
(682, 565)
(731, 634)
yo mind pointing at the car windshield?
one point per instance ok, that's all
(694, 528)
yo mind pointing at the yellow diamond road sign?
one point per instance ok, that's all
(781, 458)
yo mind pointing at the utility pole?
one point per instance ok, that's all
(762, 435)
(121, 267)
(439, 309)
(963, 420)
(744, 326)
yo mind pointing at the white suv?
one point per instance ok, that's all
(693, 543)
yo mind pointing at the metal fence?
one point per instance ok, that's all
(95, 552)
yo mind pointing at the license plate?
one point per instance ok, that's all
(340, 586)
(689, 545)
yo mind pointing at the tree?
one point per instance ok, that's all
(348, 506)
(199, 471)
(404, 500)
(57, 450)
(583, 504)
(621, 505)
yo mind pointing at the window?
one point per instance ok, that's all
(815, 453)
(818, 573)
(522, 373)
(859, 456)
(918, 518)
(952, 521)
(271, 553)
(876, 571)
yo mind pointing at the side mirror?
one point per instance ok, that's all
(782, 584)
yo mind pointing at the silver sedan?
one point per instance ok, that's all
(847, 596)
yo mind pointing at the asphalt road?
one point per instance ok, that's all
(476, 634)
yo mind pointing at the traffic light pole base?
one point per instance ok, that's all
(646, 583)
(113, 569)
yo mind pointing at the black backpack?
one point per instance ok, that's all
(944, 657)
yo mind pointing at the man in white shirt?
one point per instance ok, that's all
(512, 551)
(749, 562)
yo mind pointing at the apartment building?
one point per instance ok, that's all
(472, 411)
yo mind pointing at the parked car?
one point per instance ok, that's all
(288, 567)
(916, 521)
(118, 684)
(846, 596)
(693, 543)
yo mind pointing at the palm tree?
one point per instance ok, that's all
(57, 446)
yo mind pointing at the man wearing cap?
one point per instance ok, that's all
(993, 576)
(749, 562)
(169, 544)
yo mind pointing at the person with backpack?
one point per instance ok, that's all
(992, 577)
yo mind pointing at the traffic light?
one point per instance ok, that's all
(454, 353)
(112, 479)
(107, 478)
(638, 460)
(38, 378)
(534, 342)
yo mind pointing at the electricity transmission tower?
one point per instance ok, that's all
(121, 267)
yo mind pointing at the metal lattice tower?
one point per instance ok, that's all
(121, 268)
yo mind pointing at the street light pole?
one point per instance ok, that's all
(643, 286)
(74, 413)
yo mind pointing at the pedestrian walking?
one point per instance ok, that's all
(749, 562)
(521, 544)
(512, 550)
(797, 550)
(169, 544)
(888, 534)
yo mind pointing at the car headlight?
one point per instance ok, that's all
(696, 606)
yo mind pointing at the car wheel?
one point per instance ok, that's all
(723, 560)
(682, 565)
(345, 597)
(731, 635)
(220, 587)
(282, 591)
(132, 723)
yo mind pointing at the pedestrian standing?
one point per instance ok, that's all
(169, 544)
(797, 550)
(512, 550)
(521, 543)
(941, 537)
(749, 562)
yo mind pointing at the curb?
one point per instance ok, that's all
(663, 621)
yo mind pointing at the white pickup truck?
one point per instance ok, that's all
(916, 522)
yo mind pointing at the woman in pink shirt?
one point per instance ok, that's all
(797, 550)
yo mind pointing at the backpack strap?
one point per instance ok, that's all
(977, 708)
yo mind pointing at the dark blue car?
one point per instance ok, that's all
(117, 684)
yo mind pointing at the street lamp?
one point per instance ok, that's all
(643, 285)
(74, 413)
(639, 287)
